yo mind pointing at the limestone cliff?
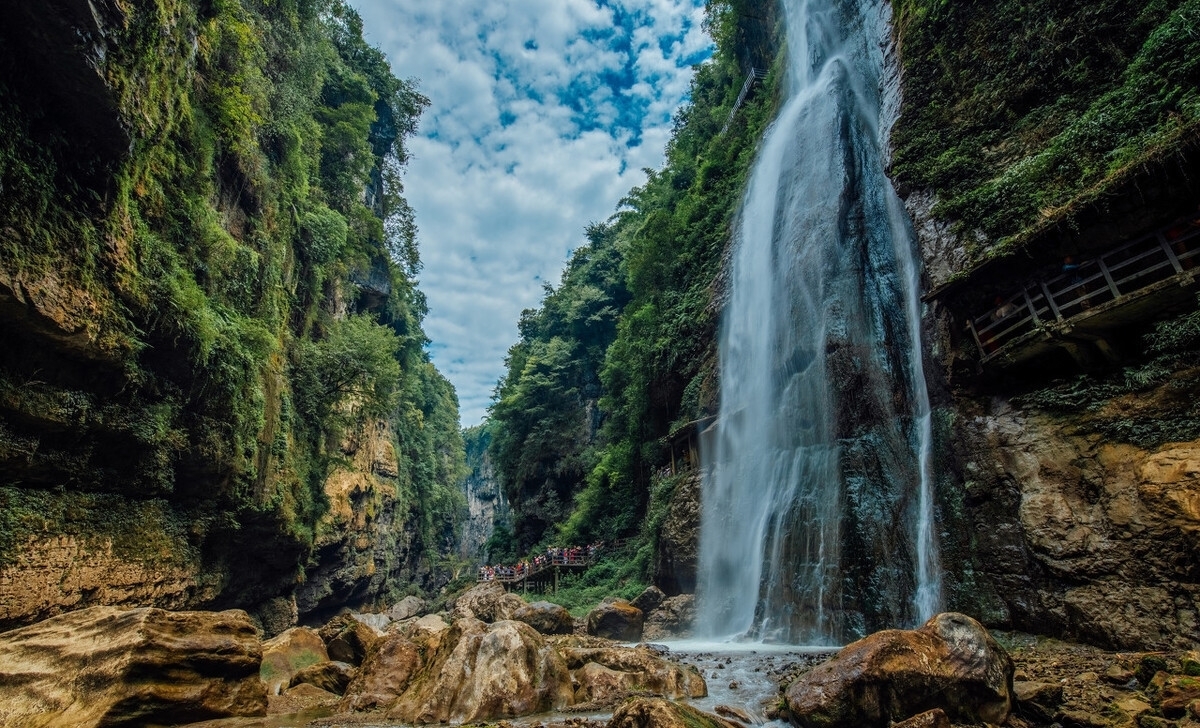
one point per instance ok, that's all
(486, 504)
(213, 386)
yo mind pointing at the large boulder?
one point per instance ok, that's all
(480, 672)
(951, 663)
(659, 713)
(672, 618)
(487, 602)
(108, 666)
(649, 599)
(616, 619)
(347, 639)
(407, 607)
(385, 674)
(546, 618)
(602, 672)
(287, 654)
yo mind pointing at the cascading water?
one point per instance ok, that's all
(817, 498)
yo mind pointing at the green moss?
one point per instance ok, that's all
(1017, 115)
(210, 256)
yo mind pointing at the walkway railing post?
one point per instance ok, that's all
(1029, 304)
(1166, 247)
(975, 336)
(1050, 300)
(1112, 286)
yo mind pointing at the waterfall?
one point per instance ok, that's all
(817, 519)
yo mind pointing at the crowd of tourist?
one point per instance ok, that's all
(553, 556)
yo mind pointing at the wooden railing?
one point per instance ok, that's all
(1078, 291)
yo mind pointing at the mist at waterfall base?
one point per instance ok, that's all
(817, 513)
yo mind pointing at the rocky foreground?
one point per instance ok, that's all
(493, 657)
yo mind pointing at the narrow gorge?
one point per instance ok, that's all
(895, 346)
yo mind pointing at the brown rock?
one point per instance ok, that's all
(935, 718)
(488, 602)
(649, 599)
(107, 666)
(616, 619)
(649, 671)
(304, 696)
(599, 685)
(659, 713)
(672, 618)
(546, 618)
(384, 676)
(288, 653)
(330, 676)
(1081, 719)
(407, 607)
(474, 671)
(733, 712)
(950, 663)
(1172, 693)
(1037, 700)
(347, 639)
(1133, 707)
(1118, 675)
(1194, 710)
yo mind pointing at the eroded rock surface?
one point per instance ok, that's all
(473, 671)
(482, 672)
(951, 663)
(546, 618)
(286, 654)
(1084, 537)
(131, 667)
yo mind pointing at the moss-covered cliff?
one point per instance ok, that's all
(208, 302)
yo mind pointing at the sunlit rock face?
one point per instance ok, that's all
(1081, 535)
(107, 666)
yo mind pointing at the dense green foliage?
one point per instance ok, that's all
(623, 350)
(1018, 114)
(243, 277)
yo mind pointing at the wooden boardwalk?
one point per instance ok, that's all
(1081, 304)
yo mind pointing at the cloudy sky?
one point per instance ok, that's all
(543, 114)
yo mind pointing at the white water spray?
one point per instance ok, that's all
(817, 500)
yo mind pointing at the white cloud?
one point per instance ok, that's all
(543, 114)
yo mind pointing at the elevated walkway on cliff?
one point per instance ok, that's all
(1084, 302)
(544, 575)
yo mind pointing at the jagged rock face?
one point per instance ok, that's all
(365, 543)
(1081, 536)
(485, 498)
(672, 619)
(472, 671)
(132, 667)
(951, 663)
